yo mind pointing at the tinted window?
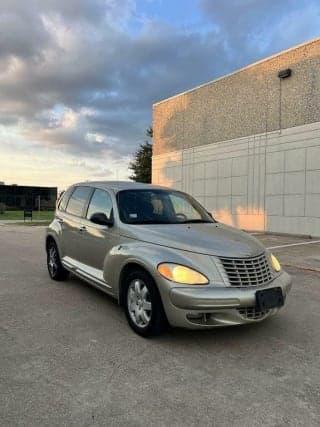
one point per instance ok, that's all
(159, 207)
(78, 200)
(64, 199)
(100, 202)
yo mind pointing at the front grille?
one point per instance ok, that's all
(252, 313)
(253, 271)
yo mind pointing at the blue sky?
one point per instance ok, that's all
(79, 77)
(181, 13)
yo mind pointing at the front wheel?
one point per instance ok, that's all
(143, 305)
(55, 268)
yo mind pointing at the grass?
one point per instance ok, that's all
(36, 216)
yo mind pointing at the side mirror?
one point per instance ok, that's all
(101, 219)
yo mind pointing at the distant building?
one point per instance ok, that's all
(17, 197)
(247, 145)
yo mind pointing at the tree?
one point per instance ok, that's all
(141, 164)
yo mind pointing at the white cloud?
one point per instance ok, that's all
(69, 119)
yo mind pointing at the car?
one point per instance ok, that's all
(164, 258)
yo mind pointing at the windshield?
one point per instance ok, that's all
(159, 207)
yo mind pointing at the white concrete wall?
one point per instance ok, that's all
(265, 182)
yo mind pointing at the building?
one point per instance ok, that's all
(247, 145)
(17, 197)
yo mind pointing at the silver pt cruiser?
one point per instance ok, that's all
(163, 257)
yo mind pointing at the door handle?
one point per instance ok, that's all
(82, 229)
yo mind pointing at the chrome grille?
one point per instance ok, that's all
(253, 271)
(252, 313)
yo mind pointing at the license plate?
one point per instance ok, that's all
(269, 298)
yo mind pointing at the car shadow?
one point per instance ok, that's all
(258, 333)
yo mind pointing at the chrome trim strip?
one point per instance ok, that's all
(89, 276)
(85, 271)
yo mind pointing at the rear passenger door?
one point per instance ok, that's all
(74, 211)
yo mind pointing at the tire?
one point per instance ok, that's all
(55, 268)
(143, 305)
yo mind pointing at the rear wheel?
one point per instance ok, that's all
(55, 268)
(143, 305)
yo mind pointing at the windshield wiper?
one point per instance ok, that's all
(194, 221)
(151, 221)
(154, 221)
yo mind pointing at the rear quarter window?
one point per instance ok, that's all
(62, 204)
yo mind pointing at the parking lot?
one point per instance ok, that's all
(69, 358)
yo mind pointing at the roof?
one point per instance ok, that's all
(120, 185)
(36, 187)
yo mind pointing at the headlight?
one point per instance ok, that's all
(275, 263)
(181, 274)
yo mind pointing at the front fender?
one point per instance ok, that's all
(149, 256)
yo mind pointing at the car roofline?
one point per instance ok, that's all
(117, 186)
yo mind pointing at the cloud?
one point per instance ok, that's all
(69, 119)
(80, 76)
(253, 29)
(102, 67)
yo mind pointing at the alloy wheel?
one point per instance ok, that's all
(139, 304)
(53, 261)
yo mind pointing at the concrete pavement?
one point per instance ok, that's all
(68, 357)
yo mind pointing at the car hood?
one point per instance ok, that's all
(206, 238)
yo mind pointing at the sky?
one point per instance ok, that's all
(78, 77)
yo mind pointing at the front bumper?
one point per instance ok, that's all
(209, 306)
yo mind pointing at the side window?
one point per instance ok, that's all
(65, 198)
(78, 200)
(100, 202)
(182, 207)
